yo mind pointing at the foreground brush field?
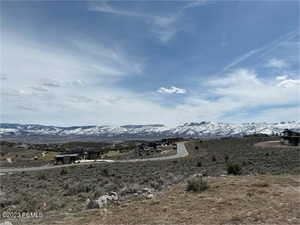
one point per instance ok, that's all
(265, 191)
(231, 200)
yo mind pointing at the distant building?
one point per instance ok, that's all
(22, 146)
(170, 141)
(290, 137)
(146, 149)
(66, 158)
(71, 157)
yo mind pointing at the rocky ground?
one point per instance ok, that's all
(64, 192)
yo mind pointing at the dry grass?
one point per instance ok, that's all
(274, 144)
(246, 200)
(112, 154)
(50, 156)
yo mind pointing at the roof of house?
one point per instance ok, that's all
(66, 155)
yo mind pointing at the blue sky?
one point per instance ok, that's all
(129, 62)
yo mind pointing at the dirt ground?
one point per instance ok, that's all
(229, 200)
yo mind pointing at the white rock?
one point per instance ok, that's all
(149, 196)
(6, 223)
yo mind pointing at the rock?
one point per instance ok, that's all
(204, 173)
(147, 190)
(198, 175)
(92, 204)
(102, 201)
(114, 196)
(149, 196)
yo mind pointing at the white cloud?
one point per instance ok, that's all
(3, 77)
(195, 3)
(239, 91)
(242, 58)
(165, 27)
(50, 83)
(290, 83)
(240, 77)
(283, 77)
(171, 90)
(106, 8)
(289, 113)
(52, 66)
(277, 63)
(245, 88)
(84, 95)
(38, 88)
(264, 50)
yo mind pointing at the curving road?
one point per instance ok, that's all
(181, 152)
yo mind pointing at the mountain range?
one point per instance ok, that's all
(152, 131)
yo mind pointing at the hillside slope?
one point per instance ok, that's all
(202, 129)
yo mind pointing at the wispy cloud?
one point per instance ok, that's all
(164, 26)
(171, 90)
(263, 49)
(283, 77)
(246, 88)
(161, 25)
(81, 99)
(195, 3)
(277, 63)
(3, 77)
(50, 83)
(290, 83)
(38, 88)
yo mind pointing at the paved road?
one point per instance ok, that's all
(181, 152)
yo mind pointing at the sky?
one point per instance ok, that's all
(71, 63)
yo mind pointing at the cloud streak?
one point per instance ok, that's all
(277, 63)
(171, 90)
(165, 27)
(263, 49)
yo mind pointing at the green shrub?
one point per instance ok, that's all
(105, 172)
(196, 184)
(234, 169)
(63, 172)
(199, 164)
(226, 158)
(77, 188)
(42, 176)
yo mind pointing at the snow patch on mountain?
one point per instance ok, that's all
(194, 129)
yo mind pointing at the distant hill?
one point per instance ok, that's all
(190, 130)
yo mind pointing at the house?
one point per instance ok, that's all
(66, 158)
(290, 137)
(22, 146)
(170, 141)
(145, 149)
(71, 157)
(92, 155)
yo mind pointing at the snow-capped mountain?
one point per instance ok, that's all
(201, 129)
